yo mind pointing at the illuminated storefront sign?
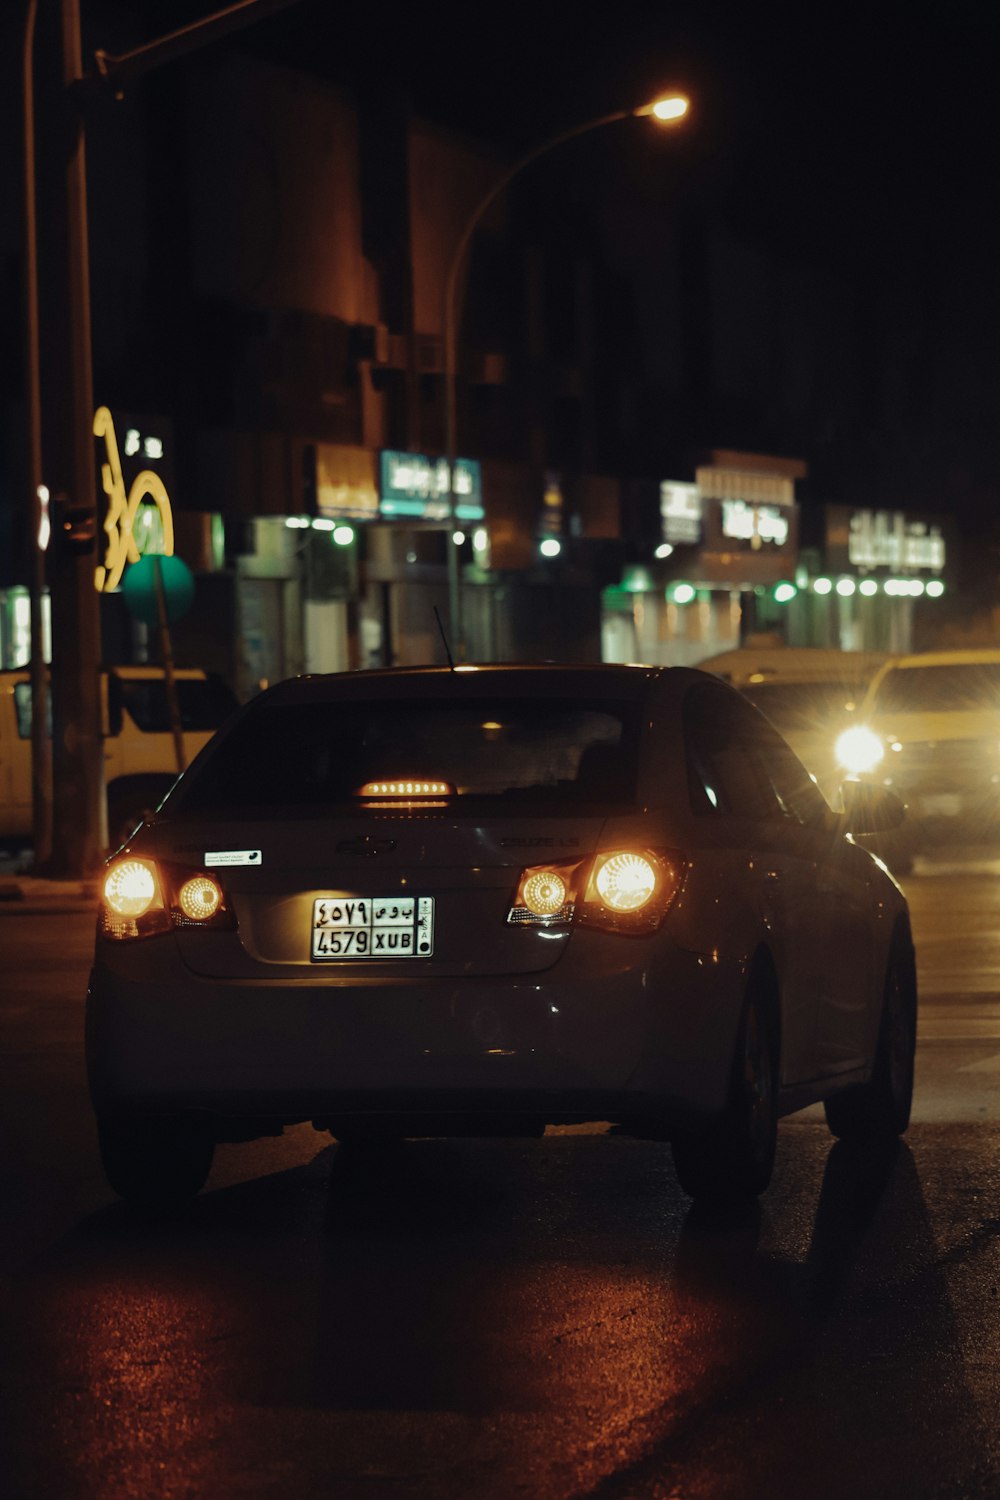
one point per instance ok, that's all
(869, 539)
(416, 487)
(137, 520)
(680, 512)
(887, 539)
(751, 518)
(755, 486)
(748, 543)
(345, 482)
(756, 524)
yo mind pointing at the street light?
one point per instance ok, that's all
(666, 110)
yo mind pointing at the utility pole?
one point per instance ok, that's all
(38, 524)
(79, 835)
(79, 817)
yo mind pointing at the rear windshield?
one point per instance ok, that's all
(940, 689)
(203, 703)
(310, 754)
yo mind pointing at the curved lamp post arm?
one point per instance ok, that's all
(451, 280)
(450, 330)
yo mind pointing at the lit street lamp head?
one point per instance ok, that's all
(668, 109)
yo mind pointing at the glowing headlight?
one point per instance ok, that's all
(625, 882)
(199, 898)
(544, 893)
(859, 749)
(130, 888)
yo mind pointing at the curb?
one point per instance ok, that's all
(22, 895)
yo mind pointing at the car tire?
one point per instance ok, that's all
(155, 1162)
(880, 1109)
(733, 1158)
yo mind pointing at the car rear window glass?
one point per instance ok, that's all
(552, 752)
(939, 689)
(739, 765)
(203, 703)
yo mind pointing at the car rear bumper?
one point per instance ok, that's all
(643, 1033)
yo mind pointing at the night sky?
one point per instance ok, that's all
(857, 140)
(861, 140)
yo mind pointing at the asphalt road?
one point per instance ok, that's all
(501, 1319)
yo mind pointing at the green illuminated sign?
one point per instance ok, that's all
(412, 485)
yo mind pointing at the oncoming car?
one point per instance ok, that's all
(482, 900)
(809, 716)
(810, 694)
(929, 728)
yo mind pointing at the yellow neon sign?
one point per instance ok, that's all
(123, 510)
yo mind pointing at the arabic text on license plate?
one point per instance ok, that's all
(379, 927)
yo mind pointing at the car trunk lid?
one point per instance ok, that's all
(436, 889)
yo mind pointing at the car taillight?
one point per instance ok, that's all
(545, 895)
(631, 890)
(620, 890)
(200, 898)
(132, 904)
(140, 898)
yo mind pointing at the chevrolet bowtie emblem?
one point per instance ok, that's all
(367, 846)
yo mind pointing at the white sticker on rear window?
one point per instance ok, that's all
(233, 857)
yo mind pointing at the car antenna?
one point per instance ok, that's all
(447, 648)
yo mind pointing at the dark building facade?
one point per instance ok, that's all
(268, 259)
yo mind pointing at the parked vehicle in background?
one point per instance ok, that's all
(929, 728)
(140, 760)
(810, 694)
(479, 901)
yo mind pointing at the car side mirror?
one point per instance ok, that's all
(871, 809)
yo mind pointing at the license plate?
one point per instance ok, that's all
(378, 927)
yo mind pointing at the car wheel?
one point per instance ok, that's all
(880, 1109)
(155, 1162)
(734, 1157)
